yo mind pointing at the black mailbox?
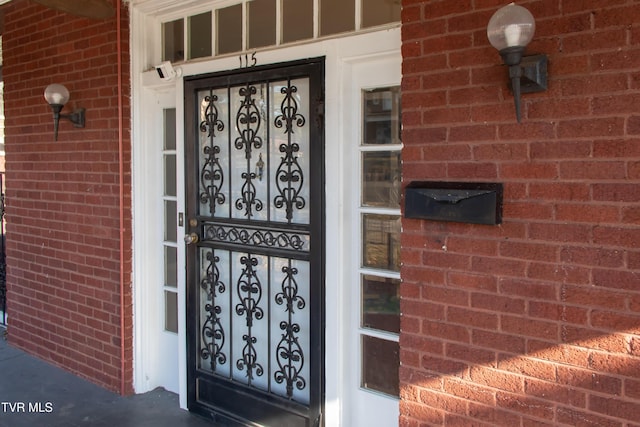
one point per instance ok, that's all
(476, 203)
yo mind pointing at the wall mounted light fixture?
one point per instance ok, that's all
(510, 30)
(57, 95)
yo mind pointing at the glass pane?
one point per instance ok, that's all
(173, 41)
(200, 35)
(381, 241)
(262, 23)
(169, 128)
(380, 364)
(229, 29)
(382, 116)
(379, 12)
(381, 179)
(171, 311)
(170, 175)
(337, 16)
(170, 221)
(381, 303)
(170, 266)
(297, 17)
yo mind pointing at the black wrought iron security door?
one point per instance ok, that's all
(254, 146)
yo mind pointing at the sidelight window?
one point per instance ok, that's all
(380, 235)
(170, 242)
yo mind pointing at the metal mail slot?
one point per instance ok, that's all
(475, 203)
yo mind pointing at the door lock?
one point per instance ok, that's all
(190, 239)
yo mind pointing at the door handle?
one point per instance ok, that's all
(191, 238)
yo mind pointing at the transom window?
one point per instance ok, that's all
(253, 24)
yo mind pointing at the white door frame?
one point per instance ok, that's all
(341, 54)
(367, 408)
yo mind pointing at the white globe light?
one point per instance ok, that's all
(511, 26)
(56, 94)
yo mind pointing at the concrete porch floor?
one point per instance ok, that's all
(35, 393)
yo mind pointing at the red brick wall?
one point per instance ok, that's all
(536, 321)
(63, 210)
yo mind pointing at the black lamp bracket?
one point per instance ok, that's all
(534, 73)
(77, 118)
(527, 74)
(533, 69)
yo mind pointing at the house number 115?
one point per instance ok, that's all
(247, 61)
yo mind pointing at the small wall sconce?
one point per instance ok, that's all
(57, 95)
(510, 30)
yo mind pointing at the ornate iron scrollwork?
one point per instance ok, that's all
(211, 121)
(289, 175)
(249, 291)
(248, 121)
(253, 169)
(259, 237)
(211, 175)
(248, 201)
(289, 353)
(289, 109)
(212, 334)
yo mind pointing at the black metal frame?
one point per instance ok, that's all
(225, 401)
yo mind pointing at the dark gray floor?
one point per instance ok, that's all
(34, 393)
